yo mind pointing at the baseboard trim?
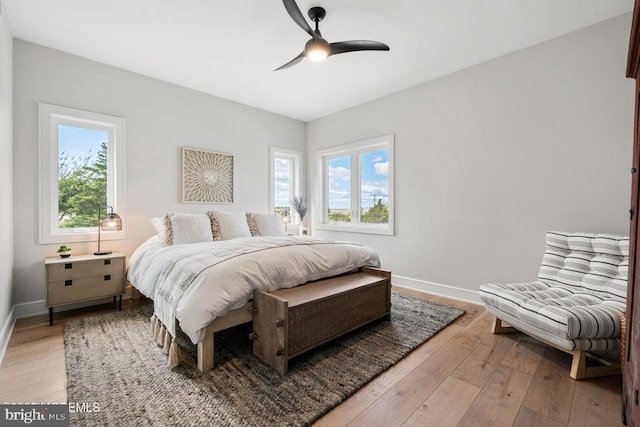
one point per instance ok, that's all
(454, 292)
(38, 308)
(30, 309)
(7, 330)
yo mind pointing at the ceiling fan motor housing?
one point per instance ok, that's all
(317, 13)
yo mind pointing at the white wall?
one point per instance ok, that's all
(6, 175)
(161, 118)
(489, 158)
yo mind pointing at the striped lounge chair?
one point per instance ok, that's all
(577, 303)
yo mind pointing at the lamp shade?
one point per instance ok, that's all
(111, 222)
(286, 217)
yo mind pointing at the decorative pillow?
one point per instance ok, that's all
(232, 225)
(169, 232)
(253, 227)
(161, 229)
(215, 226)
(190, 228)
(269, 225)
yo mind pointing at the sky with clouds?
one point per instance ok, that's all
(283, 171)
(374, 180)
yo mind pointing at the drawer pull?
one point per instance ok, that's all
(279, 323)
(107, 262)
(68, 282)
(279, 351)
(107, 277)
(68, 266)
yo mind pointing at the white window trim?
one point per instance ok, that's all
(355, 148)
(49, 118)
(297, 176)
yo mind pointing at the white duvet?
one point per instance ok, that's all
(204, 287)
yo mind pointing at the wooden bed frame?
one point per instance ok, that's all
(235, 317)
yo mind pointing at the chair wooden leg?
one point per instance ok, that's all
(498, 328)
(578, 365)
(580, 371)
(579, 368)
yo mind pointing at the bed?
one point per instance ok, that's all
(206, 287)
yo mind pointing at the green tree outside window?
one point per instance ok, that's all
(377, 214)
(82, 188)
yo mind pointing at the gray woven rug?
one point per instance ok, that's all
(112, 360)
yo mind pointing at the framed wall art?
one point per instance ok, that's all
(207, 176)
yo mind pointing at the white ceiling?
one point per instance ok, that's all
(230, 48)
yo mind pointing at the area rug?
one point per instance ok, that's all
(117, 376)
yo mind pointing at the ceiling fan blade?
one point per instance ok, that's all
(296, 15)
(355, 46)
(293, 62)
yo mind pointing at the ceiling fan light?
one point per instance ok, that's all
(317, 54)
(316, 49)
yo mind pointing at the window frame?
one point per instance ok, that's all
(296, 176)
(355, 149)
(50, 116)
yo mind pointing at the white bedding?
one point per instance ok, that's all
(220, 286)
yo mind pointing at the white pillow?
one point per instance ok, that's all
(232, 225)
(161, 229)
(190, 228)
(269, 225)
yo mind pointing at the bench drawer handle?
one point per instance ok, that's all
(107, 277)
(68, 266)
(107, 261)
(68, 282)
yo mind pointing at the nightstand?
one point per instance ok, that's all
(81, 278)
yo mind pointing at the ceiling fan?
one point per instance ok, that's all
(317, 48)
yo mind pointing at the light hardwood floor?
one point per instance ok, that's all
(463, 376)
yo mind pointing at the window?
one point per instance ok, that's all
(81, 173)
(286, 180)
(358, 186)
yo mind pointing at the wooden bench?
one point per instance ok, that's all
(289, 322)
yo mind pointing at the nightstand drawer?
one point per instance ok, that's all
(74, 290)
(79, 269)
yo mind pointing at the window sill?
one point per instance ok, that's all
(387, 231)
(82, 237)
